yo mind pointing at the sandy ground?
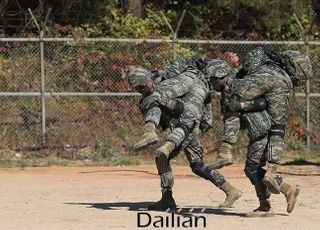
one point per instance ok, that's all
(112, 197)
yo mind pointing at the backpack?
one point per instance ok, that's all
(302, 68)
(178, 66)
(297, 65)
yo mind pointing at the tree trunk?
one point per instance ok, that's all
(133, 7)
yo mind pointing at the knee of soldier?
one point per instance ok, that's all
(197, 168)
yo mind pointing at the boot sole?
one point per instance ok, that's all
(272, 185)
(220, 165)
(145, 145)
(295, 195)
(161, 162)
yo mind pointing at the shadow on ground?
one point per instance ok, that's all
(142, 206)
(134, 171)
(301, 162)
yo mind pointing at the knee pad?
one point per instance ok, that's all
(198, 169)
(214, 176)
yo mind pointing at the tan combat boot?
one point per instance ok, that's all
(291, 193)
(264, 210)
(269, 178)
(162, 155)
(232, 195)
(148, 138)
(224, 157)
(166, 202)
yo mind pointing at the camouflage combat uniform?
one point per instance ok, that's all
(258, 125)
(267, 79)
(185, 127)
(184, 135)
(181, 74)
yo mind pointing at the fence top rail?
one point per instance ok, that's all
(93, 94)
(181, 41)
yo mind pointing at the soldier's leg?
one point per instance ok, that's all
(149, 136)
(278, 102)
(194, 153)
(167, 201)
(255, 173)
(188, 124)
(230, 134)
(290, 191)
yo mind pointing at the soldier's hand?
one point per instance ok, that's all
(234, 105)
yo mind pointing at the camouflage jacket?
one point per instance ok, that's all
(257, 124)
(169, 86)
(187, 88)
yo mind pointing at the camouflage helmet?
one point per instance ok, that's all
(139, 77)
(302, 66)
(217, 69)
(254, 59)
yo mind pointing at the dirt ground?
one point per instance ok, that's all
(111, 197)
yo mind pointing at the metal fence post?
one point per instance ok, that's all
(307, 91)
(175, 35)
(174, 40)
(42, 90)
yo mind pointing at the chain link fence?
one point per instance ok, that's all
(72, 94)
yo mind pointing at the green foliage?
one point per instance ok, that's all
(211, 19)
(116, 23)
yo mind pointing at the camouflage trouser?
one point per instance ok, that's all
(194, 152)
(256, 159)
(231, 128)
(153, 115)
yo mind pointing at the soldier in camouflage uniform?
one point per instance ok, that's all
(161, 108)
(173, 70)
(258, 125)
(272, 78)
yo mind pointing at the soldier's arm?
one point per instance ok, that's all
(168, 91)
(252, 86)
(237, 105)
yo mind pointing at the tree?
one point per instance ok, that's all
(132, 6)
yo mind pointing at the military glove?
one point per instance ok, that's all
(256, 105)
(234, 105)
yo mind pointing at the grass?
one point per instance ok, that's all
(31, 161)
(303, 156)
